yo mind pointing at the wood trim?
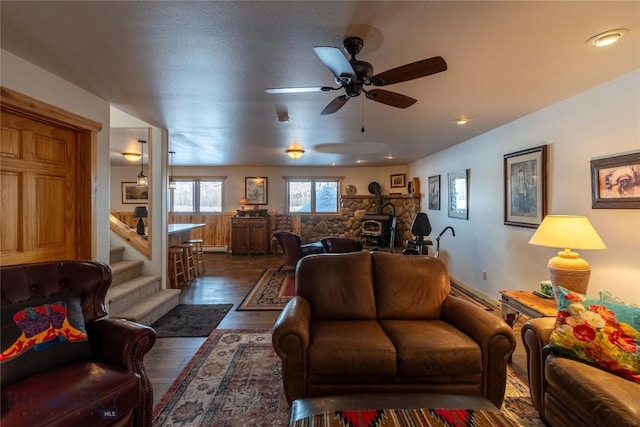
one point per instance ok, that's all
(86, 159)
(129, 235)
(30, 107)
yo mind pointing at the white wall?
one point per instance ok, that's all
(24, 77)
(603, 121)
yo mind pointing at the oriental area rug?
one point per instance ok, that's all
(235, 380)
(271, 291)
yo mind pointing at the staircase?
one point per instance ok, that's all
(135, 296)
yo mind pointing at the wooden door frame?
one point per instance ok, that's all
(86, 157)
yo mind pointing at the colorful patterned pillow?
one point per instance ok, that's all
(40, 335)
(609, 297)
(598, 332)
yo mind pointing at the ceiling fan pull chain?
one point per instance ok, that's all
(362, 129)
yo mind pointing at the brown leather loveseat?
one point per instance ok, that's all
(63, 363)
(568, 392)
(374, 322)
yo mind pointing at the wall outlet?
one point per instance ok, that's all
(484, 274)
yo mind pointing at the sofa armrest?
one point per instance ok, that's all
(495, 338)
(121, 341)
(290, 338)
(125, 343)
(535, 335)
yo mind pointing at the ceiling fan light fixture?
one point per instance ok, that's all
(132, 157)
(608, 37)
(294, 153)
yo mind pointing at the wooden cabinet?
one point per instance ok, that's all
(250, 236)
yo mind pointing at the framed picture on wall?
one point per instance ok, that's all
(459, 194)
(525, 187)
(132, 194)
(399, 180)
(434, 192)
(255, 190)
(615, 182)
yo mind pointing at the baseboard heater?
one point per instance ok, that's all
(221, 249)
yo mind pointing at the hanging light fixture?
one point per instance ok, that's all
(295, 153)
(143, 181)
(172, 183)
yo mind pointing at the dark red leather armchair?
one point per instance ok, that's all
(340, 245)
(293, 248)
(105, 386)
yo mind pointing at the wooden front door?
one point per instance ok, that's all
(38, 189)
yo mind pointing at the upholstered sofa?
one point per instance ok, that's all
(569, 392)
(63, 363)
(368, 322)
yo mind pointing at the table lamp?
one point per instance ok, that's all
(243, 202)
(569, 232)
(140, 212)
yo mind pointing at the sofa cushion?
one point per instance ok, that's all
(86, 393)
(40, 334)
(350, 349)
(409, 287)
(592, 393)
(340, 285)
(602, 333)
(434, 349)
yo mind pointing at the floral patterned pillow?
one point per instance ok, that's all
(598, 332)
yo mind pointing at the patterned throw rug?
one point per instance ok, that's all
(272, 291)
(235, 380)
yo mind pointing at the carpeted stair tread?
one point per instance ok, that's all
(160, 303)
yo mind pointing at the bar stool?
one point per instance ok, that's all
(176, 267)
(198, 253)
(187, 259)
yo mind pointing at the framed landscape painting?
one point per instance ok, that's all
(459, 194)
(398, 180)
(132, 194)
(255, 190)
(525, 187)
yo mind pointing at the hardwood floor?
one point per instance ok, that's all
(228, 279)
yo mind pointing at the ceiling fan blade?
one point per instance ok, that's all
(300, 89)
(390, 98)
(335, 105)
(411, 71)
(335, 61)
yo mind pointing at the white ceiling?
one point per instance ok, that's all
(199, 69)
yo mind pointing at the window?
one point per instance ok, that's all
(199, 195)
(312, 195)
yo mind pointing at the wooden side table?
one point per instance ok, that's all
(516, 303)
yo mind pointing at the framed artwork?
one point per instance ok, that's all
(399, 180)
(255, 190)
(615, 182)
(459, 194)
(434, 192)
(133, 194)
(525, 187)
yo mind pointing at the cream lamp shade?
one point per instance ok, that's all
(568, 232)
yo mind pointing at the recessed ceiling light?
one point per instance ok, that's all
(608, 37)
(462, 120)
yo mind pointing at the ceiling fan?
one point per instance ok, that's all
(352, 75)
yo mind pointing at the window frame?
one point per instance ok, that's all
(196, 180)
(312, 179)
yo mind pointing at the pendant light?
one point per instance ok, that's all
(172, 183)
(143, 181)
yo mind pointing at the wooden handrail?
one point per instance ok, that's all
(136, 241)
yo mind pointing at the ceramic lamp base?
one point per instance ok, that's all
(569, 271)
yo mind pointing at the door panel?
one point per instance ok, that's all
(38, 191)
